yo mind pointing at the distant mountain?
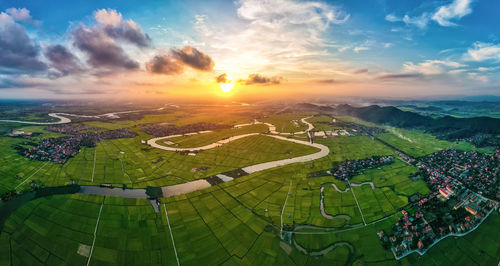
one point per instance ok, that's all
(446, 127)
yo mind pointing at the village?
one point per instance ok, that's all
(350, 168)
(453, 208)
(59, 150)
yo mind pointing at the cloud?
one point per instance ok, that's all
(62, 59)
(481, 51)
(361, 71)
(21, 14)
(279, 36)
(164, 64)
(259, 79)
(388, 45)
(478, 77)
(456, 10)
(419, 22)
(431, 67)
(194, 58)
(399, 76)
(108, 17)
(424, 69)
(488, 69)
(291, 12)
(443, 15)
(222, 78)
(117, 28)
(392, 18)
(101, 42)
(358, 49)
(20, 81)
(102, 50)
(328, 81)
(17, 51)
(174, 62)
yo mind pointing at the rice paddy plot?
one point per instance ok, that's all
(358, 147)
(287, 123)
(203, 139)
(59, 229)
(395, 175)
(416, 143)
(323, 123)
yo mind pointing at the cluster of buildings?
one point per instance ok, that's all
(333, 133)
(59, 150)
(68, 128)
(435, 218)
(405, 157)
(160, 130)
(350, 168)
(457, 204)
(477, 171)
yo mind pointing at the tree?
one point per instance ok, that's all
(8, 195)
(154, 192)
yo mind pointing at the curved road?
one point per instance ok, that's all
(201, 184)
(324, 150)
(65, 120)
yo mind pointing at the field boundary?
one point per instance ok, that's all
(95, 232)
(171, 235)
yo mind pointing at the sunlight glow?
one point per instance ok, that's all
(227, 87)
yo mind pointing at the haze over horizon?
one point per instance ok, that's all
(248, 49)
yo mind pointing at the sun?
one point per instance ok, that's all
(227, 87)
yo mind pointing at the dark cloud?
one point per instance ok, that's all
(102, 50)
(62, 60)
(173, 63)
(259, 79)
(19, 81)
(128, 31)
(360, 71)
(221, 78)
(18, 53)
(101, 42)
(194, 58)
(326, 81)
(332, 81)
(399, 76)
(117, 28)
(164, 64)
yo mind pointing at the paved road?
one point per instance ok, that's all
(201, 184)
(63, 119)
(324, 150)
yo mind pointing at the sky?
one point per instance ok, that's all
(248, 49)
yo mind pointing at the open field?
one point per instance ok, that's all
(323, 123)
(127, 161)
(286, 123)
(350, 148)
(396, 176)
(60, 229)
(211, 137)
(210, 226)
(236, 222)
(417, 143)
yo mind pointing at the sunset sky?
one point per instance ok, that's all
(249, 48)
